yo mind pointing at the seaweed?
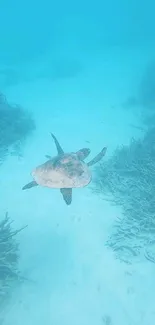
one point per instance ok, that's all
(9, 258)
(127, 180)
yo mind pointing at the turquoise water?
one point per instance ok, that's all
(85, 72)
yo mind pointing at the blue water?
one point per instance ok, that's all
(84, 71)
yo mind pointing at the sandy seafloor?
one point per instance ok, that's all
(76, 278)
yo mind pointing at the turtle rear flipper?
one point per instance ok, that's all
(29, 185)
(67, 195)
(98, 157)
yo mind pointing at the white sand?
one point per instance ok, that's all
(77, 280)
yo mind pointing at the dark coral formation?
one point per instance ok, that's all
(127, 179)
(56, 69)
(15, 125)
(146, 91)
(9, 257)
(146, 95)
(143, 99)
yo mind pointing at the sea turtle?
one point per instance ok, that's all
(65, 171)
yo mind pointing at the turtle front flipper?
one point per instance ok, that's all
(29, 185)
(59, 149)
(98, 157)
(83, 153)
(67, 195)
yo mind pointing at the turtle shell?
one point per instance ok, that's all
(62, 171)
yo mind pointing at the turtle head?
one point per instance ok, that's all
(83, 153)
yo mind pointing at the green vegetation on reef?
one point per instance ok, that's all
(127, 180)
(9, 257)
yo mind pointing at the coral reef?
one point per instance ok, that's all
(9, 256)
(15, 125)
(127, 179)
